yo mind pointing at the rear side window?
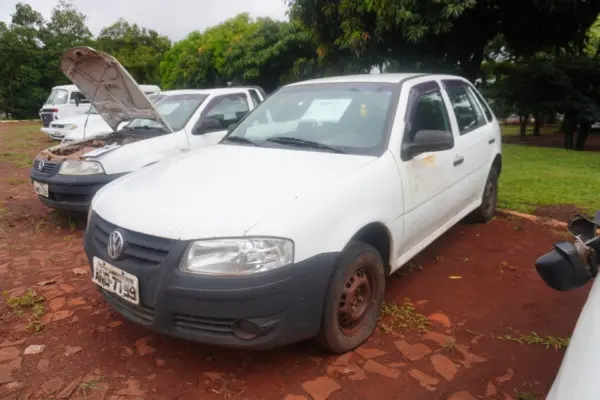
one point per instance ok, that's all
(255, 96)
(464, 104)
(484, 105)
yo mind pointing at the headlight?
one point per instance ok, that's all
(80, 167)
(243, 256)
(70, 126)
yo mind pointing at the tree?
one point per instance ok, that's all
(270, 54)
(22, 64)
(198, 60)
(443, 34)
(138, 49)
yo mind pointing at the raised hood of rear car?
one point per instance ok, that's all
(106, 83)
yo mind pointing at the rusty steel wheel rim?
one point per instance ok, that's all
(356, 300)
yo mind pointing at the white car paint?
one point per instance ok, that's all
(318, 199)
(577, 377)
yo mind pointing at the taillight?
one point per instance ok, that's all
(54, 110)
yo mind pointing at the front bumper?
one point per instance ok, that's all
(260, 311)
(68, 192)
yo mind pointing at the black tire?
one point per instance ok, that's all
(358, 272)
(485, 212)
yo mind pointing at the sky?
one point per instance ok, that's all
(174, 18)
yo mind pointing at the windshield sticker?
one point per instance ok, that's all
(102, 150)
(327, 109)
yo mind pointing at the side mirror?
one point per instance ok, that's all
(564, 268)
(428, 140)
(206, 125)
(230, 128)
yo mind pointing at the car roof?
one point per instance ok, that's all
(214, 92)
(66, 87)
(378, 78)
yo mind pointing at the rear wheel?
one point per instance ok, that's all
(353, 300)
(485, 212)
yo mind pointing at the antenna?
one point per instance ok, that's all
(92, 104)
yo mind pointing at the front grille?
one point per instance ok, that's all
(211, 325)
(139, 313)
(46, 119)
(144, 249)
(47, 168)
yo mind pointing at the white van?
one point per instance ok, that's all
(59, 117)
(67, 176)
(64, 101)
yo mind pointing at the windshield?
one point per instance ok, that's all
(57, 96)
(348, 117)
(175, 109)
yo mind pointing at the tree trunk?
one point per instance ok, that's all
(523, 125)
(570, 128)
(537, 125)
(551, 118)
(582, 135)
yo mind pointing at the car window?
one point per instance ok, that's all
(255, 96)
(80, 96)
(57, 96)
(351, 117)
(427, 110)
(175, 109)
(229, 109)
(468, 115)
(481, 101)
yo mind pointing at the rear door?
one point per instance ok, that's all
(473, 134)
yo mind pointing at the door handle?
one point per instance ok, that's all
(492, 141)
(458, 160)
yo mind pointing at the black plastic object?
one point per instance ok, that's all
(563, 269)
(584, 227)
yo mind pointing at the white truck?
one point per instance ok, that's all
(67, 176)
(287, 228)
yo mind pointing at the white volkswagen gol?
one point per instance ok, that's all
(287, 228)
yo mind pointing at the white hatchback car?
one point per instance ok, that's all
(287, 228)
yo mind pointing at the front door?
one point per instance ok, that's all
(428, 177)
(223, 110)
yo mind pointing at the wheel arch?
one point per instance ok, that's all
(378, 235)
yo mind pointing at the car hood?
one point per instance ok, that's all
(111, 89)
(218, 191)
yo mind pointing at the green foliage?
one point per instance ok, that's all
(140, 50)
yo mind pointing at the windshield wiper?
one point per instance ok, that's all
(294, 141)
(239, 139)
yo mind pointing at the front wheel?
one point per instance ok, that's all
(354, 298)
(485, 212)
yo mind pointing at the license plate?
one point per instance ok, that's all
(116, 281)
(40, 188)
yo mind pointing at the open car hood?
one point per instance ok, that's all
(111, 89)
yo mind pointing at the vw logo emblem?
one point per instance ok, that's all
(115, 245)
(41, 165)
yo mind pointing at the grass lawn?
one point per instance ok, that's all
(534, 176)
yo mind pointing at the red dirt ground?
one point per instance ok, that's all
(476, 283)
